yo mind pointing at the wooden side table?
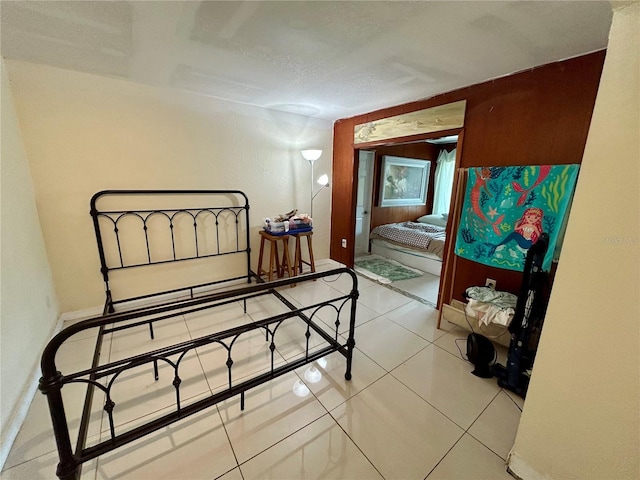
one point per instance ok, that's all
(274, 258)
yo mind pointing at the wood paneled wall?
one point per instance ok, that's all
(540, 116)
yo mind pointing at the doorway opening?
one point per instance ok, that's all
(374, 236)
(366, 162)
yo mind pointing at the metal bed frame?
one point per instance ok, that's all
(52, 380)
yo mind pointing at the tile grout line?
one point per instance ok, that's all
(445, 455)
(436, 408)
(387, 372)
(356, 445)
(477, 418)
(513, 400)
(216, 405)
(426, 401)
(238, 464)
(292, 433)
(408, 329)
(496, 395)
(466, 432)
(233, 451)
(346, 433)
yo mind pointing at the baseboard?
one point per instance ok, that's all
(325, 261)
(78, 315)
(20, 411)
(521, 470)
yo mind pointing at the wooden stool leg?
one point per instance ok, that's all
(285, 256)
(297, 263)
(284, 261)
(273, 258)
(312, 263)
(279, 265)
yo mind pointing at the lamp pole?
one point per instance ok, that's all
(311, 156)
(311, 186)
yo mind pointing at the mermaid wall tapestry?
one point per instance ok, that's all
(507, 208)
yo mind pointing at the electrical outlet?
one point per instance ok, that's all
(490, 282)
(344, 243)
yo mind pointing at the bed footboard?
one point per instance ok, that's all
(316, 338)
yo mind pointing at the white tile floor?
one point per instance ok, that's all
(412, 410)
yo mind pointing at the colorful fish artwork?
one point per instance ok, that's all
(506, 209)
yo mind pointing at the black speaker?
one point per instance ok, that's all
(480, 352)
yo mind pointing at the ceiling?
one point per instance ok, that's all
(319, 58)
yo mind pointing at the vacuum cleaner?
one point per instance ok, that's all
(526, 325)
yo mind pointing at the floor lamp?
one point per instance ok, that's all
(311, 156)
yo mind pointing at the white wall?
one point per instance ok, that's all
(28, 306)
(581, 419)
(85, 133)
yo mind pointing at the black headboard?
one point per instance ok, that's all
(138, 228)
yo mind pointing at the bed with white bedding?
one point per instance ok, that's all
(417, 244)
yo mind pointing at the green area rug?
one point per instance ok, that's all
(385, 271)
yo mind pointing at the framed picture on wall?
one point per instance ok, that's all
(404, 181)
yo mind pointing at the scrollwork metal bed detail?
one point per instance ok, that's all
(238, 207)
(318, 337)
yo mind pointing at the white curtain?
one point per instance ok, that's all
(444, 181)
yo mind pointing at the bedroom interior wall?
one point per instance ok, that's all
(580, 419)
(29, 306)
(84, 133)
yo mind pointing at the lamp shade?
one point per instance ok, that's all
(323, 180)
(311, 155)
